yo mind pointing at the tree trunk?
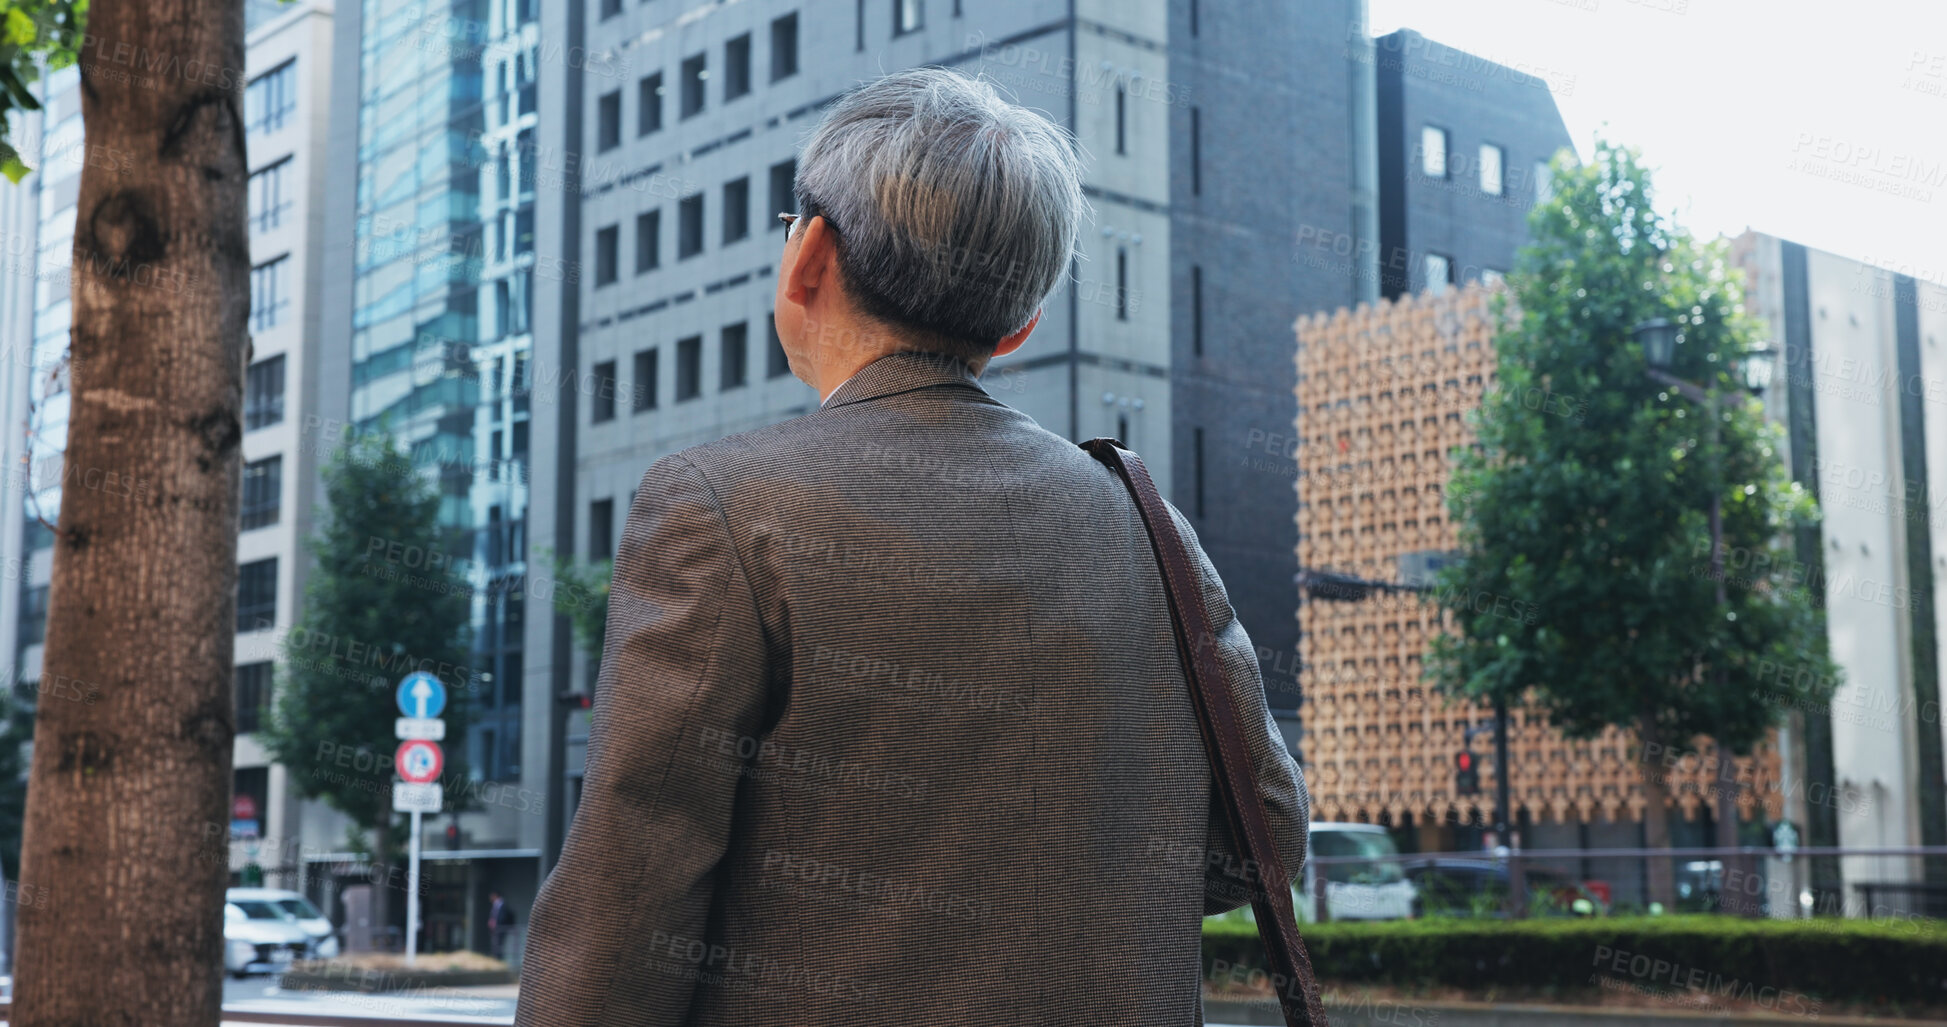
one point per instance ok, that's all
(1656, 814)
(129, 792)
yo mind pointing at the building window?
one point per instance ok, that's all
(608, 121)
(270, 98)
(33, 615)
(268, 293)
(1196, 309)
(1122, 429)
(1493, 159)
(645, 381)
(736, 210)
(1433, 152)
(734, 355)
(601, 529)
(649, 104)
(611, 8)
(603, 407)
(694, 74)
(736, 67)
(1122, 283)
(1121, 119)
(782, 198)
(648, 241)
(689, 227)
(908, 16)
(268, 196)
(858, 26)
(607, 243)
(1193, 17)
(257, 595)
(263, 393)
(1439, 273)
(689, 368)
(524, 230)
(253, 696)
(1196, 151)
(784, 46)
(1544, 182)
(777, 365)
(263, 492)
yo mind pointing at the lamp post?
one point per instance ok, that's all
(1659, 339)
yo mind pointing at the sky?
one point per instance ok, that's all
(1824, 123)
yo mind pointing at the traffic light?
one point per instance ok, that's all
(1466, 776)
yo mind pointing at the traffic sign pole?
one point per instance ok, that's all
(421, 698)
(412, 894)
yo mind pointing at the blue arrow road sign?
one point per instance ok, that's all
(421, 695)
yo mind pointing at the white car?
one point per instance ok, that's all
(267, 929)
(1376, 889)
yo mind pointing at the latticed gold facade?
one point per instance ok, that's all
(1384, 397)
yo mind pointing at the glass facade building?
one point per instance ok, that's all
(443, 265)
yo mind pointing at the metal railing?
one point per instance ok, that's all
(1748, 880)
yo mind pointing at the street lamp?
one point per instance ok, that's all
(1658, 337)
(1758, 362)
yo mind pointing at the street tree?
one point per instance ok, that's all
(1589, 493)
(142, 602)
(383, 600)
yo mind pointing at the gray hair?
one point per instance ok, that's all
(956, 211)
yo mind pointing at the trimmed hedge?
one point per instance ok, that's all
(1830, 959)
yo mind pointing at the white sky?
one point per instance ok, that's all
(1821, 122)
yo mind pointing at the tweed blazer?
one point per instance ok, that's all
(890, 729)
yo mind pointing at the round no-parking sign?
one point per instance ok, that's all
(419, 761)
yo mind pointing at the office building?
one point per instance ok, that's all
(287, 73)
(1384, 399)
(427, 314)
(1168, 337)
(1862, 393)
(1463, 146)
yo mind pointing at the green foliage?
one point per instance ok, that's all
(1829, 958)
(1588, 497)
(581, 593)
(381, 602)
(32, 31)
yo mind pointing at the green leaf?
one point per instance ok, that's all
(19, 29)
(10, 164)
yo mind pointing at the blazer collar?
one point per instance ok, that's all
(903, 372)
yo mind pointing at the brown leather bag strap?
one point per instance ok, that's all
(1223, 740)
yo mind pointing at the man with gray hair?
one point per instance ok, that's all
(890, 725)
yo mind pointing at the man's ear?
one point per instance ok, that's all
(1014, 341)
(805, 266)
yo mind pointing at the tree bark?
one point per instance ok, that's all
(129, 793)
(1656, 814)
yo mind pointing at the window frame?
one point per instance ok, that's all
(1500, 168)
(1428, 132)
(608, 254)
